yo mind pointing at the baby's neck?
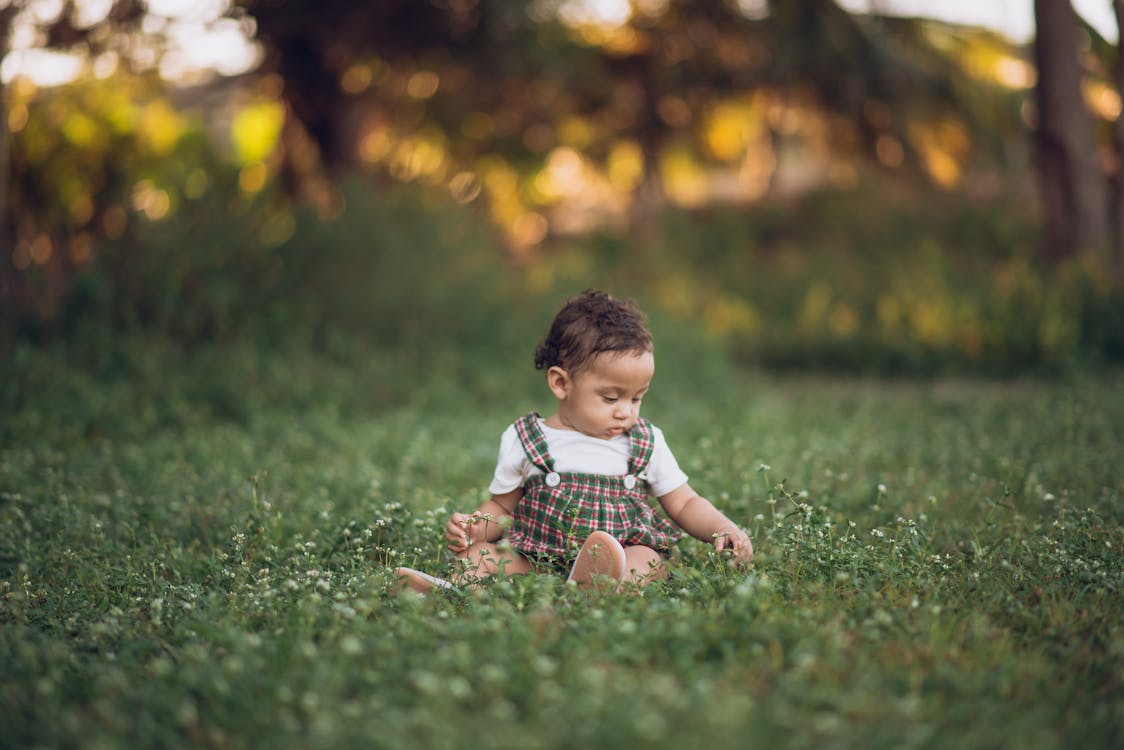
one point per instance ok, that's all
(557, 421)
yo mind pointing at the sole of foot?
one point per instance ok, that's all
(600, 563)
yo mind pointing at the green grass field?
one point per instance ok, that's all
(939, 564)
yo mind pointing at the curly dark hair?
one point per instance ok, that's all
(591, 323)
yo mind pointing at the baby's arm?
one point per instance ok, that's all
(484, 525)
(699, 518)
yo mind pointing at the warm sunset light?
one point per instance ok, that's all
(561, 374)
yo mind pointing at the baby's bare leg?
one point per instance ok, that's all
(485, 559)
(642, 565)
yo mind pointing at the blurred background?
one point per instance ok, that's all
(896, 188)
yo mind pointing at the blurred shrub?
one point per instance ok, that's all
(859, 281)
(868, 281)
(394, 270)
(88, 161)
(130, 225)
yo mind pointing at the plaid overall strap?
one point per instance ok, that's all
(534, 442)
(642, 441)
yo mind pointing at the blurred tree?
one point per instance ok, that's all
(86, 161)
(1073, 182)
(525, 101)
(495, 96)
(411, 84)
(1117, 210)
(514, 78)
(7, 13)
(413, 63)
(9, 281)
(57, 27)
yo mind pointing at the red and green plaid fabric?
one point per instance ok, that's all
(553, 521)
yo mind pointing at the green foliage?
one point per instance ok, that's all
(936, 565)
(395, 271)
(92, 165)
(911, 283)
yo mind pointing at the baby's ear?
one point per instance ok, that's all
(558, 380)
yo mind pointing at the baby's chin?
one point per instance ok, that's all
(608, 433)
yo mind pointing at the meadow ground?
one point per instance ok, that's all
(939, 564)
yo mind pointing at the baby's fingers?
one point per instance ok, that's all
(721, 541)
(456, 537)
(736, 543)
(742, 549)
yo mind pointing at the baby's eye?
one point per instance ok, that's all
(610, 399)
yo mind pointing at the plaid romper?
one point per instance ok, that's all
(559, 510)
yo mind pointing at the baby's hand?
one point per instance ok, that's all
(457, 536)
(736, 541)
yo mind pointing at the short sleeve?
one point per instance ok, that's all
(511, 465)
(664, 474)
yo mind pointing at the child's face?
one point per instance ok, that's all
(603, 399)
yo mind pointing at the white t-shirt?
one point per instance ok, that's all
(573, 451)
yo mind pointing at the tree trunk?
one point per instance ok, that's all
(1074, 191)
(1117, 214)
(649, 197)
(6, 236)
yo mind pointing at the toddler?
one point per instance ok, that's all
(572, 491)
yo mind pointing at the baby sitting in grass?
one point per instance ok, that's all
(571, 491)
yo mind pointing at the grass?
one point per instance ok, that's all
(939, 564)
